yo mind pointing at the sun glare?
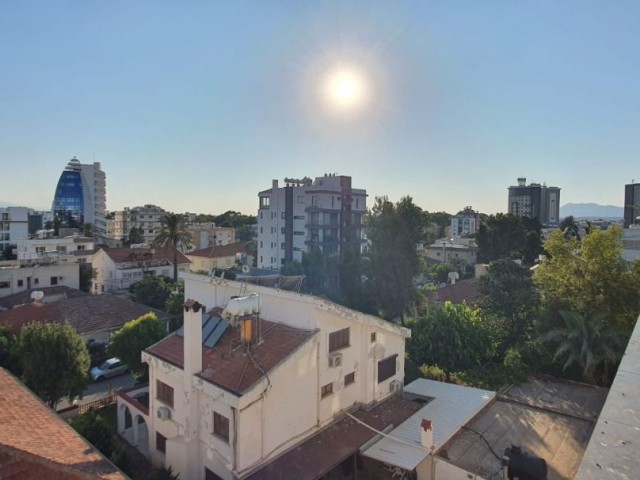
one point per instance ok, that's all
(345, 89)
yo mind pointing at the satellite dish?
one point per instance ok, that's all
(246, 269)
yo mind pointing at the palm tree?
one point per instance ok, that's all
(173, 232)
(589, 343)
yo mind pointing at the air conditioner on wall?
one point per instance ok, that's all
(395, 386)
(164, 413)
(335, 360)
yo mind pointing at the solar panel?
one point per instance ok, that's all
(221, 327)
(208, 326)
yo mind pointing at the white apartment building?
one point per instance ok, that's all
(466, 222)
(255, 376)
(145, 218)
(17, 276)
(39, 248)
(14, 225)
(208, 235)
(116, 269)
(325, 213)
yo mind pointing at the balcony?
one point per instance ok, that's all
(133, 416)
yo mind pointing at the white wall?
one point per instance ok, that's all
(20, 279)
(446, 471)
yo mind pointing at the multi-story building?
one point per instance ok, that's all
(324, 214)
(81, 197)
(208, 235)
(14, 225)
(39, 248)
(21, 275)
(146, 219)
(116, 269)
(251, 378)
(466, 222)
(631, 204)
(535, 201)
(220, 257)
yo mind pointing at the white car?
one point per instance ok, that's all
(110, 368)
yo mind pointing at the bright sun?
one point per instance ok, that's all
(345, 89)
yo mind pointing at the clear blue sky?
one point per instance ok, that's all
(196, 106)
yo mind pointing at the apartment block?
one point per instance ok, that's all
(535, 201)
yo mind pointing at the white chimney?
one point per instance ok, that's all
(427, 435)
(193, 312)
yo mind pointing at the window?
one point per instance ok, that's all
(349, 378)
(164, 393)
(373, 337)
(387, 368)
(20, 283)
(282, 230)
(36, 281)
(5, 284)
(161, 443)
(326, 390)
(282, 215)
(282, 246)
(209, 475)
(221, 426)
(298, 233)
(54, 280)
(339, 339)
(300, 199)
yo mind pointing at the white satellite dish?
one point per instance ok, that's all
(246, 269)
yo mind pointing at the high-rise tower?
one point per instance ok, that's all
(81, 197)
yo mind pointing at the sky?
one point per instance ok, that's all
(196, 106)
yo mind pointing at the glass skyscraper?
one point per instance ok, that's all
(80, 197)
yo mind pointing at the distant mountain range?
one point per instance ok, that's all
(591, 210)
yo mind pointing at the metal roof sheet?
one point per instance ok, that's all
(452, 407)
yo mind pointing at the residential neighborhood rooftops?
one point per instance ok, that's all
(36, 443)
(230, 367)
(127, 255)
(550, 419)
(218, 251)
(51, 294)
(465, 291)
(86, 313)
(333, 444)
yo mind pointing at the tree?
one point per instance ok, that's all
(173, 232)
(393, 232)
(8, 252)
(8, 350)
(590, 276)
(453, 337)
(87, 229)
(313, 266)
(136, 335)
(54, 361)
(96, 430)
(508, 235)
(292, 268)
(586, 342)
(87, 274)
(135, 236)
(153, 291)
(355, 286)
(507, 292)
(244, 233)
(569, 227)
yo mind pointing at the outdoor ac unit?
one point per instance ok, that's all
(395, 386)
(335, 360)
(164, 413)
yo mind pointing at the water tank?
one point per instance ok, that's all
(524, 466)
(244, 305)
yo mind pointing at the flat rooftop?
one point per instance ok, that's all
(547, 418)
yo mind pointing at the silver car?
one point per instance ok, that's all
(110, 368)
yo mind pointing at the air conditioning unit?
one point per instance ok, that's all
(335, 360)
(395, 386)
(164, 413)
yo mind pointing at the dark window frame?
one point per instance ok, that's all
(161, 443)
(387, 368)
(326, 390)
(221, 426)
(339, 339)
(164, 393)
(349, 378)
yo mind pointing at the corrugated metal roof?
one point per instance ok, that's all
(452, 407)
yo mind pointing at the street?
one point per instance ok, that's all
(97, 390)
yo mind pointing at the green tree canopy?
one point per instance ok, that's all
(315, 272)
(508, 235)
(135, 236)
(173, 232)
(136, 335)
(393, 232)
(54, 361)
(589, 276)
(454, 337)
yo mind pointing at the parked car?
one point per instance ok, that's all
(110, 368)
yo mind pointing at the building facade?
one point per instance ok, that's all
(39, 248)
(325, 213)
(14, 226)
(20, 276)
(631, 204)
(146, 219)
(535, 201)
(81, 197)
(466, 222)
(208, 235)
(236, 389)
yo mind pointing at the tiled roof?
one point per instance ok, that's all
(87, 314)
(124, 255)
(56, 292)
(467, 291)
(332, 445)
(229, 367)
(218, 251)
(36, 443)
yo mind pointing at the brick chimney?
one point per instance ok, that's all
(427, 435)
(193, 312)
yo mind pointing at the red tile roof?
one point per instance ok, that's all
(229, 367)
(331, 446)
(50, 293)
(219, 251)
(125, 255)
(87, 314)
(467, 291)
(36, 443)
